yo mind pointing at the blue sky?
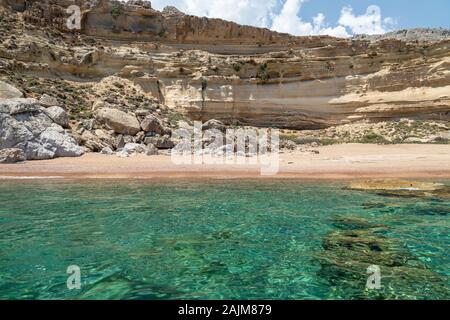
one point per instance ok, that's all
(334, 17)
(408, 13)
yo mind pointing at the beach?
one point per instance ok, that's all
(340, 162)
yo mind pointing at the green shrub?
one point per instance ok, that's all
(308, 140)
(441, 140)
(237, 67)
(372, 137)
(204, 83)
(328, 141)
(262, 72)
(116, 11)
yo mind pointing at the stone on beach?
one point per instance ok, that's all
(152, 150)
(8, 91)
(160, 142)
(12, 155)
(119, 121)
(402, 188)
(58, 115)
(152, 124)
(24, 124)
(48, 101)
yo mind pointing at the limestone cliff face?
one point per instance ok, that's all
(210, 68)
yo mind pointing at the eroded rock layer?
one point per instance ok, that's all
(214, 69)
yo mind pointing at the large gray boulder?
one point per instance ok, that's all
(152, 150)
(214, 125)
(160, 142)
(48, 101)
(119, 121)
(152, 124)
(135, 148)
(12, 155)
(107, 151)
(91, 141)
(58, 115)
(7, 91)
(25, 125)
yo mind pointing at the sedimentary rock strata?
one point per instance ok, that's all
(150, 69)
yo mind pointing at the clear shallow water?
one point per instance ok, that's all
(218, 240)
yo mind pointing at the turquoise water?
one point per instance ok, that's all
(221, 239)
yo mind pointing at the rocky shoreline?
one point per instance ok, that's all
(125, 90)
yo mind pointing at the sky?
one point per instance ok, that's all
(333, 17)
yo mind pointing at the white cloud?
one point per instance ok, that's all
(368, 23)
(371, 22)
(338, 31)
(263, 14)
(288, 20)
(320, 27)
(249, 12)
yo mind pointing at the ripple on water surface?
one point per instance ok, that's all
(219, 239)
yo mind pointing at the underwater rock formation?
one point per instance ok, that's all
(400, 188)
(357, 244)
(214, 69)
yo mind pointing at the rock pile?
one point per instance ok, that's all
(28, 125)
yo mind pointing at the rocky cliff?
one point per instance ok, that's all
(131, 57)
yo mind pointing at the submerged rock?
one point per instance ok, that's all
(135, 148)
(107, 151)
(353, 223)
(357, 244)
(425, 209)
(48, 101)
(402, 188)
(396, 185)
(365, 246)
(373, 205)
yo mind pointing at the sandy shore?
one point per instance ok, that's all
(351, 161)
